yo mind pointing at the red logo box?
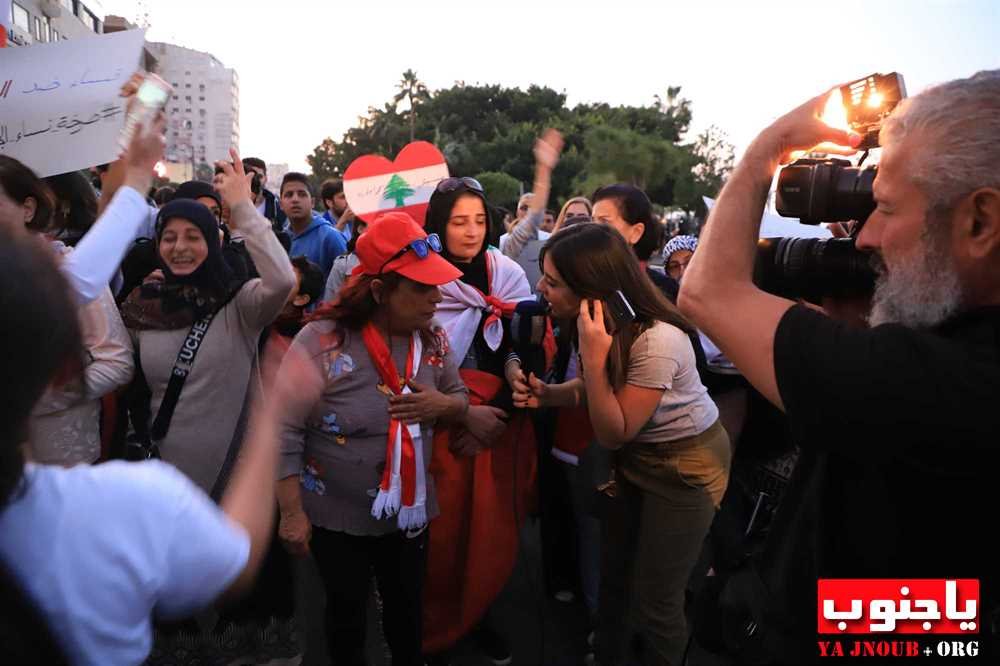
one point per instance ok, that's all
(897, 606)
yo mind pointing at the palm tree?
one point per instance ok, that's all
(415, 92)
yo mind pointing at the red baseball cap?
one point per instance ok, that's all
(385, 248)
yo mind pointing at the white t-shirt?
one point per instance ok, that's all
(101, 549)
(662, 358)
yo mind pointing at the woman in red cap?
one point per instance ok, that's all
(353, 483)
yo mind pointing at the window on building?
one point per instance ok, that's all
(201, 112)
(188, 98)
(201, 99)
(21, 18)
(37, 31)
(55, 35)
(79, 9)
(201, 87)
(187, 110)
(68, 4)
(176, 110)
(187, 73)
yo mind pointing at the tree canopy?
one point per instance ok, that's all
(491, 129)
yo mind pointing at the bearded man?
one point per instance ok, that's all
(898, 424)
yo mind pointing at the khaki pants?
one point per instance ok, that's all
(653, 532)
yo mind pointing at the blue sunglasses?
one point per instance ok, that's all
(420, 246)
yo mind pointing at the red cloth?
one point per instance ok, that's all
(573, 430)
(473, 543)
(378, 351)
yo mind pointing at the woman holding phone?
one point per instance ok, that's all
(647, 404)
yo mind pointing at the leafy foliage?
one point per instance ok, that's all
(489, 130)
(501, 189)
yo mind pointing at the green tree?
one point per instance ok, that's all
(415, 93)
(502, 189)
(491, 129)
(709, 161)
(397, 190)
(324, 160)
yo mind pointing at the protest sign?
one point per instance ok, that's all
(374, 185)
(59, 104)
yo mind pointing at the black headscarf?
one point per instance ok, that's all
(439, 211)
(180, 300)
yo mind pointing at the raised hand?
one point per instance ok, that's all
(233, 184)
(803, 129)
(548, 148)
(144, 151)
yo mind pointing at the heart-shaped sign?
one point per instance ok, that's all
(373, 185)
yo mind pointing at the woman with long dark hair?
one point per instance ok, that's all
(65, 429)
(647, 404)
(489, 462)
(354, 486)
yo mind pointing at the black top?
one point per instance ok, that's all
(480, 356)
(900, 437)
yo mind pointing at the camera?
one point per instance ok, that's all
(811, 268)
(822, 189)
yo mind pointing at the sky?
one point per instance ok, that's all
(309, 69)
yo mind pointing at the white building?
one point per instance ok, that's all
(204, 112)
(40, 21)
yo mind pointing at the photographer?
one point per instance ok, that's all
(896, 423)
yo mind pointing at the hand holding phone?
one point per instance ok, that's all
(150, 99)
(619, 311)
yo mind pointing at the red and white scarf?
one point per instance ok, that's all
(462, 305)
(403, 490)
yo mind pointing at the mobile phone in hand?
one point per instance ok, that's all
(150, 99)
(619, 311)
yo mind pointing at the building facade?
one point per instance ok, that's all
(204, 111)
(41, 21)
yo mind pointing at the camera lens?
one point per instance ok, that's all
(812, 268)
(829, 190)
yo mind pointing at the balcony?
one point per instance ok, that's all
(50, 8)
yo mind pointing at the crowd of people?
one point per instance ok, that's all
(215, 394)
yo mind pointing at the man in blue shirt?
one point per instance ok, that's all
(312, 235)
(337, 211)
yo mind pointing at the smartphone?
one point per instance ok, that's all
(150, 99)
(619, 311)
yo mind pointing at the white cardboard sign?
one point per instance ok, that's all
(59, 104)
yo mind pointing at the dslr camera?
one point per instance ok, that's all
(819, 189)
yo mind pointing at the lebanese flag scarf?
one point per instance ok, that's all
(403, 490)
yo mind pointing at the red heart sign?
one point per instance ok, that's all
(373, 185)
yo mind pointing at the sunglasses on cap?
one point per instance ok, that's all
(451, 184)
(420, 246)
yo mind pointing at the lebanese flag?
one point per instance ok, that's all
(374, 185)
